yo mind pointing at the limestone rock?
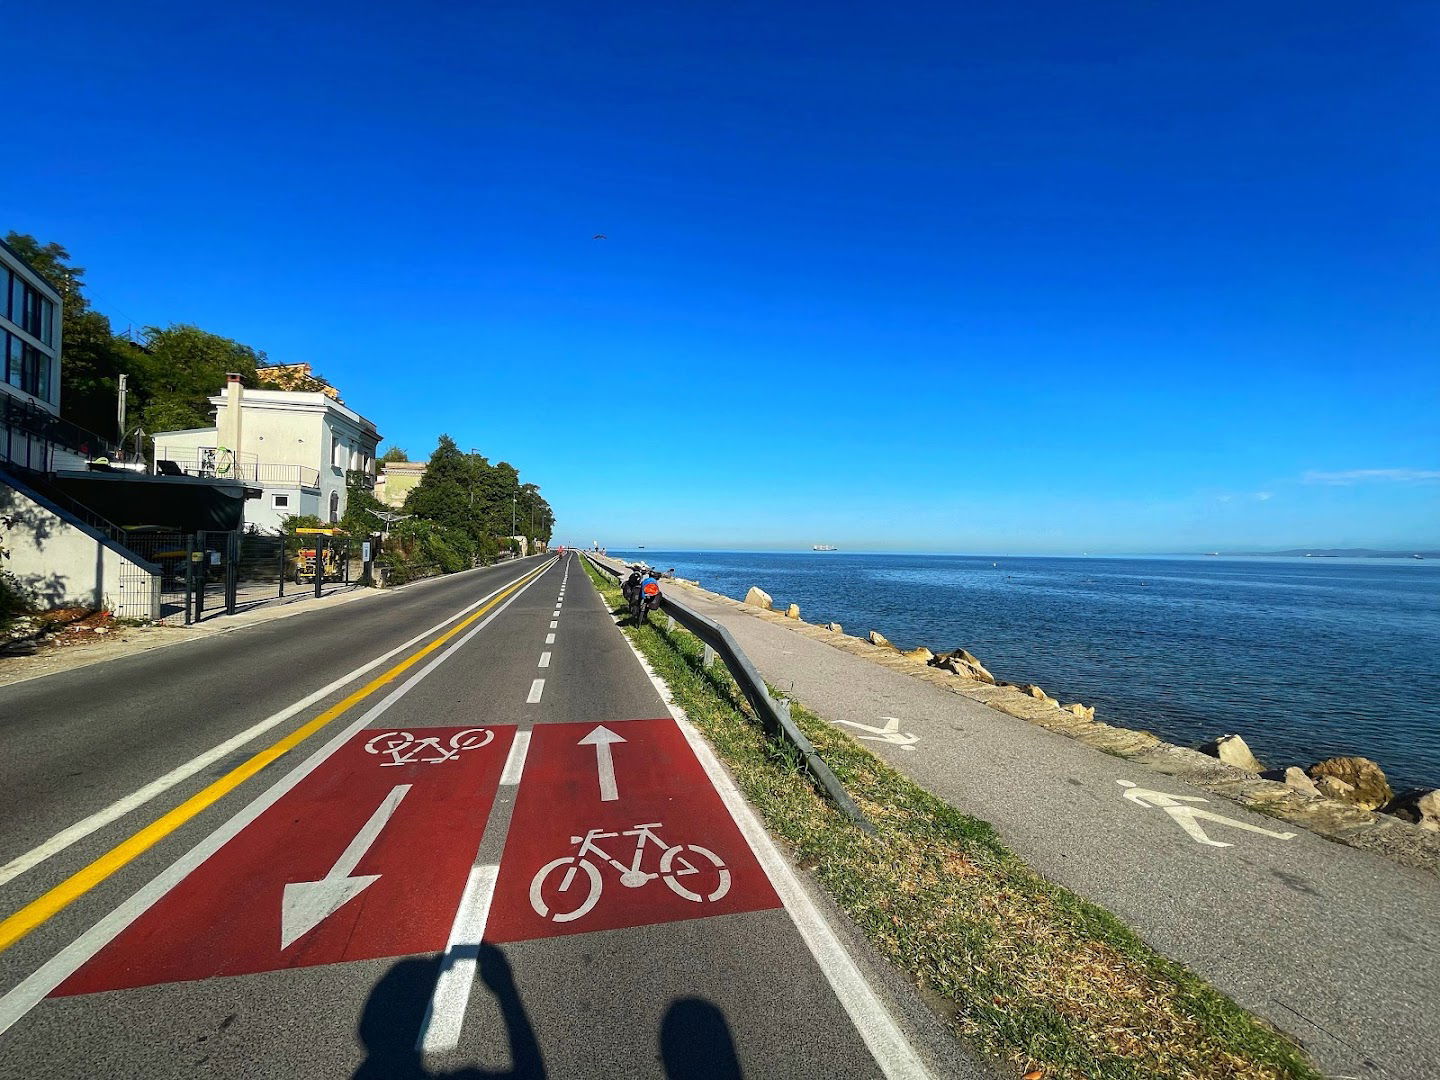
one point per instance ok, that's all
(921, 654)
(834, 628)
(1418, 806)
(758, 597)
(1296, 778)
(1371, 789)
(1084, 712)
(877, 638)
(1334, 788)
(962, 663)
(1233, 750)
(793, 611)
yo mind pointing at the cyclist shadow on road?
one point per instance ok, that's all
(390, 1023)
(695, 1042)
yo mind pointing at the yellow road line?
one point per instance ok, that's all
(77, 885)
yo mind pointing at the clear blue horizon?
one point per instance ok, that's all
(1028, 279)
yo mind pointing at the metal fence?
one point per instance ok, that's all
(197, 572)
(774, 713)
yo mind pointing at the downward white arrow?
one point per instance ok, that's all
(602, 738)
(307, 904)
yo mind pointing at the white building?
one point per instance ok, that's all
(297, 446)
(31, 434)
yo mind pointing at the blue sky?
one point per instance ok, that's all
(996, 278)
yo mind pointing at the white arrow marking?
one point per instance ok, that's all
(307, 904)
(602, 738)
(890, 733)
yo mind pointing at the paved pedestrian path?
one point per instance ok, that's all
(1337, 946)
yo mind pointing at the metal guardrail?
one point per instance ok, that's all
(774, 713)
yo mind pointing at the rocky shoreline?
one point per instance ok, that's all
(1346, 798)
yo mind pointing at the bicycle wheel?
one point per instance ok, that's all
(537, 888)
(707, 862)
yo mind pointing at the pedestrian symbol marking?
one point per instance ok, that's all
(890, 733)
(653, 845)
(405, 748)
(1188, 817)
(355, 862)
(558, 879)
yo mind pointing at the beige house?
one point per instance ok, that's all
(397, 480)
(296, 446)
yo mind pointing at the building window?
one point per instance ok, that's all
(280, 502)
(25, 367)
(334, 508)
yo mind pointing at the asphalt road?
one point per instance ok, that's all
(1337, 946)
(453, 831)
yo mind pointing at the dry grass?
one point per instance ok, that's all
(1036, 975)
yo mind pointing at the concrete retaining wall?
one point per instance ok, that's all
(65, 562)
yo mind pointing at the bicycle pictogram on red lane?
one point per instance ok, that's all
(616, 826)
(366, 857)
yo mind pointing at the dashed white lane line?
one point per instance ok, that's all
(515, 762)
(553, 625)
(550, 638)
(544, 660)
(555, 614)
(536, 689)
(440, 1030)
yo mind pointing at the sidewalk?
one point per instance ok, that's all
(1337, 946)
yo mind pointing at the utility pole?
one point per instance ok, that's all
(120, 413)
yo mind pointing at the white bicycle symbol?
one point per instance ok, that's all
(404, 748)
(675, 863)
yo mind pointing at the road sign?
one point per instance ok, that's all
(365, 551)
(366, 857)
(651, 842)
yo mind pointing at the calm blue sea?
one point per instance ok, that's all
(1306, 658)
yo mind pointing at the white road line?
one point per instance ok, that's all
(445, 1015)
(116, 810)
(544, 660)
(553, 625)
(515, 762)
(555, 614)
(550, 638)
(536, 689)
(882, 1036)
(32, 990)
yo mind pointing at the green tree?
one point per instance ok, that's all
(395, 453)
(446, 493)
(178, 370)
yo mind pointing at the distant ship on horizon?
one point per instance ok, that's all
(823, 547)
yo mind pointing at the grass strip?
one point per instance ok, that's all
(1033, 974)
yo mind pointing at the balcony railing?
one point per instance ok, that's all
(215, 462)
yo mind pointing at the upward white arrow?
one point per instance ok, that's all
(307, 904)
(602, 738)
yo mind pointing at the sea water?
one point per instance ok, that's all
(1306, 658)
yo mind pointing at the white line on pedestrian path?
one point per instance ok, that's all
(116, 810)
(31, 991)
(550, 638)
(536, 689)
(445, 1015)
(515, 762)
(544, 660)
(882, 1036)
